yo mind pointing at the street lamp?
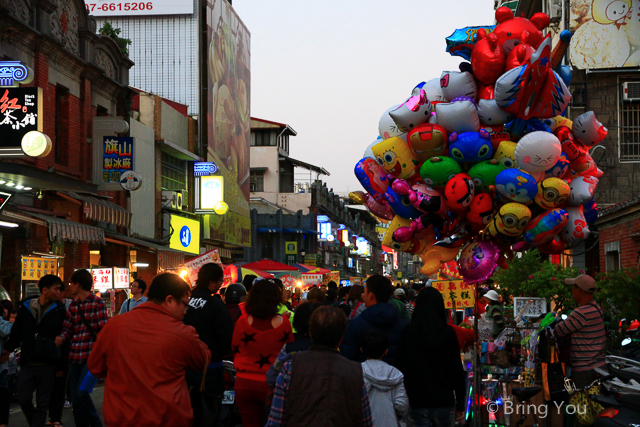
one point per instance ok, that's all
(302, 254)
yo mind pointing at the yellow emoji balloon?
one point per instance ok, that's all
(505, 154)
(395, 156)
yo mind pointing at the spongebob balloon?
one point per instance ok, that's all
(505, 154)
(395, 156)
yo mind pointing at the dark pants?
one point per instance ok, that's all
(206, 405)
(84, 413)
(56, 404)
(5, 397)
(38, 378)
(432, 417)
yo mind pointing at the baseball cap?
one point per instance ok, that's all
(584, 282)
(399, 291)
(492, 295)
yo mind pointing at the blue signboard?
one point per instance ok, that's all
(204, 168)
(117, 157)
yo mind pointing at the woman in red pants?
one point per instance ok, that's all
(258, 337)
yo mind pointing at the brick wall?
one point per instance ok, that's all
(621, 230)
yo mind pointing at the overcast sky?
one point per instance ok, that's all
(330, 68)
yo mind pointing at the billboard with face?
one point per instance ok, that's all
(606, 33)
(228, 118)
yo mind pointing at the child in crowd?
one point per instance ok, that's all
(387, 396)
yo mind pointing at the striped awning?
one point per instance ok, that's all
(71, 231)
(169, 259)
(102, 210)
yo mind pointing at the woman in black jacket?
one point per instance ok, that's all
(429, 357)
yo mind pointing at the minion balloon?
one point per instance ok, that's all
(510, 222)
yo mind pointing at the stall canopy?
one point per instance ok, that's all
(310, 269)
(100, 209)
(234, 273)
(269, 265)
(71, 231)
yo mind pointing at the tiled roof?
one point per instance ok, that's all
(618, 207)
(265, 207)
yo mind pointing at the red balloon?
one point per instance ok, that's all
(518, 56)
(459, 192)
(486, 91)
(511, 31)
(487, 60)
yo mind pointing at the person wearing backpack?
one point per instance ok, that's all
(137, 290)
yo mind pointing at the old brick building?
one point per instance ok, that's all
(619, 236)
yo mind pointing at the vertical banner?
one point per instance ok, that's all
(457, 291)
(117, 157)
(291, 251)
(228, 118)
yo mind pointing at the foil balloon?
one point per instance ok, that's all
(590, 210)
(459, 192)
(437, 171)
(576, 230)
(431, 262)
(515, 185)
(484, 175)
(458, 83)
(486, 91)
(427, 141)
(413, 112)
(582, 189)
(368, 152)
(478, 260)
(490, 114)
(556, 122)
(585, 165)
(509, 222)
(413, 246)
(543, 228)
(395, 157)
(433, 90)
(480, 211)
(461, 116)
(511, 30)
(588, 130)
(470, 146)
(372, 177)
(519, 55)
(379, 209)
(554, 247)
(400, 204)
(559, 169)
(536, 152)
(506, 154)
(487, 59)
(421, 196)
(552, 193)
(570, 148)
(387, 128)
(418, 225)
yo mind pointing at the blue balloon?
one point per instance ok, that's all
(470, 146)
(517, 186)
(590, 211)
(401, 204)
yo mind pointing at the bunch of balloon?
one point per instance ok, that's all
(482, 161)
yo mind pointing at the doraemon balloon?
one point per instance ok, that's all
(505, 154)
(459, 116)
(458, 83)
(470, 146)
(427, 141)
(536, 152)
(559, 169)
(459, 192)
(413, 112)
(576, 229)
(515, 185)
(395, 157)
(438, 170)
(552, 193)
(588, 130)
(582, 189)
(543, 228)
(484, 175)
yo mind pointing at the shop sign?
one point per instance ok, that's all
(131, 181)
(20, 113)
(455, 291)
(138, 8)
(102, 279)
(33, 268)
(311, 259)
(210, 195)
(291, 252)
(395, 260)
(121, 278)
(312, 279)
(4, 198)
(532, 307)
(322, 218)
(333, 276)
(193, 266)
(204, 168)
(36, 144)
(12, 73)
(117, 157)
(186, 234)
(324, 228)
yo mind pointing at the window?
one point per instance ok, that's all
(257, 181)
(262, 137)
(630, 128)
(174, 174)
(61, 143)
(612, 256)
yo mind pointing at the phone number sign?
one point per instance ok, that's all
(136, 8)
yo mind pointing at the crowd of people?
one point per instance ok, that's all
(364, 355)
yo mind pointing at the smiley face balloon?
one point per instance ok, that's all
(537, 152)
(438, 170)
(395, 157)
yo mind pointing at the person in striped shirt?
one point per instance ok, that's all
(585, 327)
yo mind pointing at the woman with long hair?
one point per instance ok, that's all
(429, 358)
(258, 337)
(355, 301)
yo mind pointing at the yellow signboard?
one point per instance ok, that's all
(455, 290)
(186, 234)
(211, 191)
(291, 248)
(33, 268)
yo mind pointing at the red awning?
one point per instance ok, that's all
(269, 265)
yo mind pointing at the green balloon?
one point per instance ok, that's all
(484, 174)
(436, 171)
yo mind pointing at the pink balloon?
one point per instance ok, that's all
(478, 260)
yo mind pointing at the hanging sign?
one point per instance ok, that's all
(131, 180)
(20, 113)
(102, 279)
(33, 268)
(457, 291)
(117, 157)
(121, 278)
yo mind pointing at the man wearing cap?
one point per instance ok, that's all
(494, 311)
(397, 300)
(585, 326)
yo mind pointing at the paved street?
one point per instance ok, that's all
(17, 419)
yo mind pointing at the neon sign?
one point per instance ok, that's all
(204, 168)
(14, 72)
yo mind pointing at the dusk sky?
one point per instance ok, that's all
(330, 69)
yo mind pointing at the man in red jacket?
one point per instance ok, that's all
(143, 354)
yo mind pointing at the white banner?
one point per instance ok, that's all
(138, 8)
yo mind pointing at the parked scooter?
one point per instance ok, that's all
(621, 386)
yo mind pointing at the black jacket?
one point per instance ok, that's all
(37, 341)
(212, 321)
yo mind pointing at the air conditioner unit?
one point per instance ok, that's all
(172, 199)
(631, 91)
